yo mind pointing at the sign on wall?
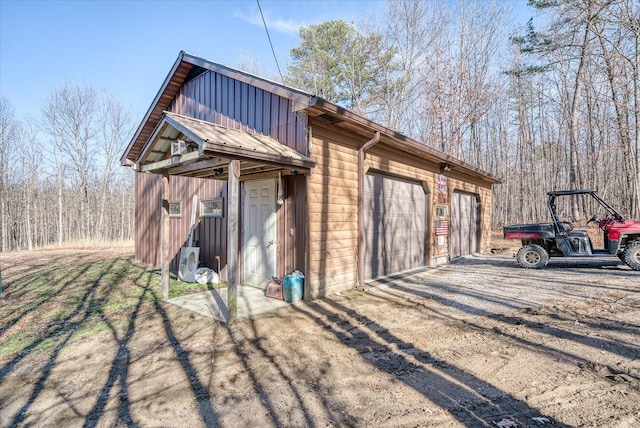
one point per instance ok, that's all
(442, 183)
(212, 207)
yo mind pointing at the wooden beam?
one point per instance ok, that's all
(258, 175)
(165, 236)
(194, 167)
(233, 238)
(249, 155)
(173, 161)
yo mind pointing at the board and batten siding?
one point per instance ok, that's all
(210, 232)
(332, 193)
(225, 101)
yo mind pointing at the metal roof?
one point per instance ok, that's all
(209, 146)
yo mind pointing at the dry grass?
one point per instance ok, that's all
(72, 292)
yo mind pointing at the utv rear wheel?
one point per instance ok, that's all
(631, 255)
(532, 257)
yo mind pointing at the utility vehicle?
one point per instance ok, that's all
(559, 239)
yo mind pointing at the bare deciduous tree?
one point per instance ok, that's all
(115, 128)
(8, 139)
(30, 164)
(69, 117)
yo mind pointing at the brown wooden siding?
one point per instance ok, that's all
(228, 102)
(332, 202)
(333, 212)
(210, 232)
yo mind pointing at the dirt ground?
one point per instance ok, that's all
(480, 342)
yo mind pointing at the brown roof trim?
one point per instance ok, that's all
(400, 140)
(154, 113)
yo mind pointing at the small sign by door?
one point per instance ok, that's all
(442, 183)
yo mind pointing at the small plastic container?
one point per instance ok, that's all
(293, 288)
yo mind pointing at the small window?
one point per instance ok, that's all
(212, 207)
(175, 209)
(441, 212)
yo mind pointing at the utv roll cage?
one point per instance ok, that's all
(563, 227)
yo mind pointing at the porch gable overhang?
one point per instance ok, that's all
(208, 148)
(185, 68)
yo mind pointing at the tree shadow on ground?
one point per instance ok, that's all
(104, 293)
(201, 393)
(119, 370)
(471, 400)
(61, 331)
(437, 292)
(612, 265)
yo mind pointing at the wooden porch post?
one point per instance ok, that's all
(233, 213)
(165, 236)
(361, 172)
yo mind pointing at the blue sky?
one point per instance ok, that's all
(128, 47)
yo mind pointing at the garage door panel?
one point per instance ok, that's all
(395, 222)
(464, 224)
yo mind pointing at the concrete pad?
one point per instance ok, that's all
(213, 303)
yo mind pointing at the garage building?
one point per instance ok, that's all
(286, 181)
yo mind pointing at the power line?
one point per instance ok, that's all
(270, 43)
(296, 114)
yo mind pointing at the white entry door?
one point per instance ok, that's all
(259, 231)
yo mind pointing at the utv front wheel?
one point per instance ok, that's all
(532, 257)
(631, 255)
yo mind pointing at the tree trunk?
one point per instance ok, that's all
(574, 182)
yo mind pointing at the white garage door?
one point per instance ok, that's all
(464, 224)
(395, 225)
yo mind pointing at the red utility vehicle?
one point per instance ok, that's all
(559, 239)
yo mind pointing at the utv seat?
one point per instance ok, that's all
(578, 234)
(567, 229)
(578, 241)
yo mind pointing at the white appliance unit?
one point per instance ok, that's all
(189, 260)
(178, 147)
(189, 255)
